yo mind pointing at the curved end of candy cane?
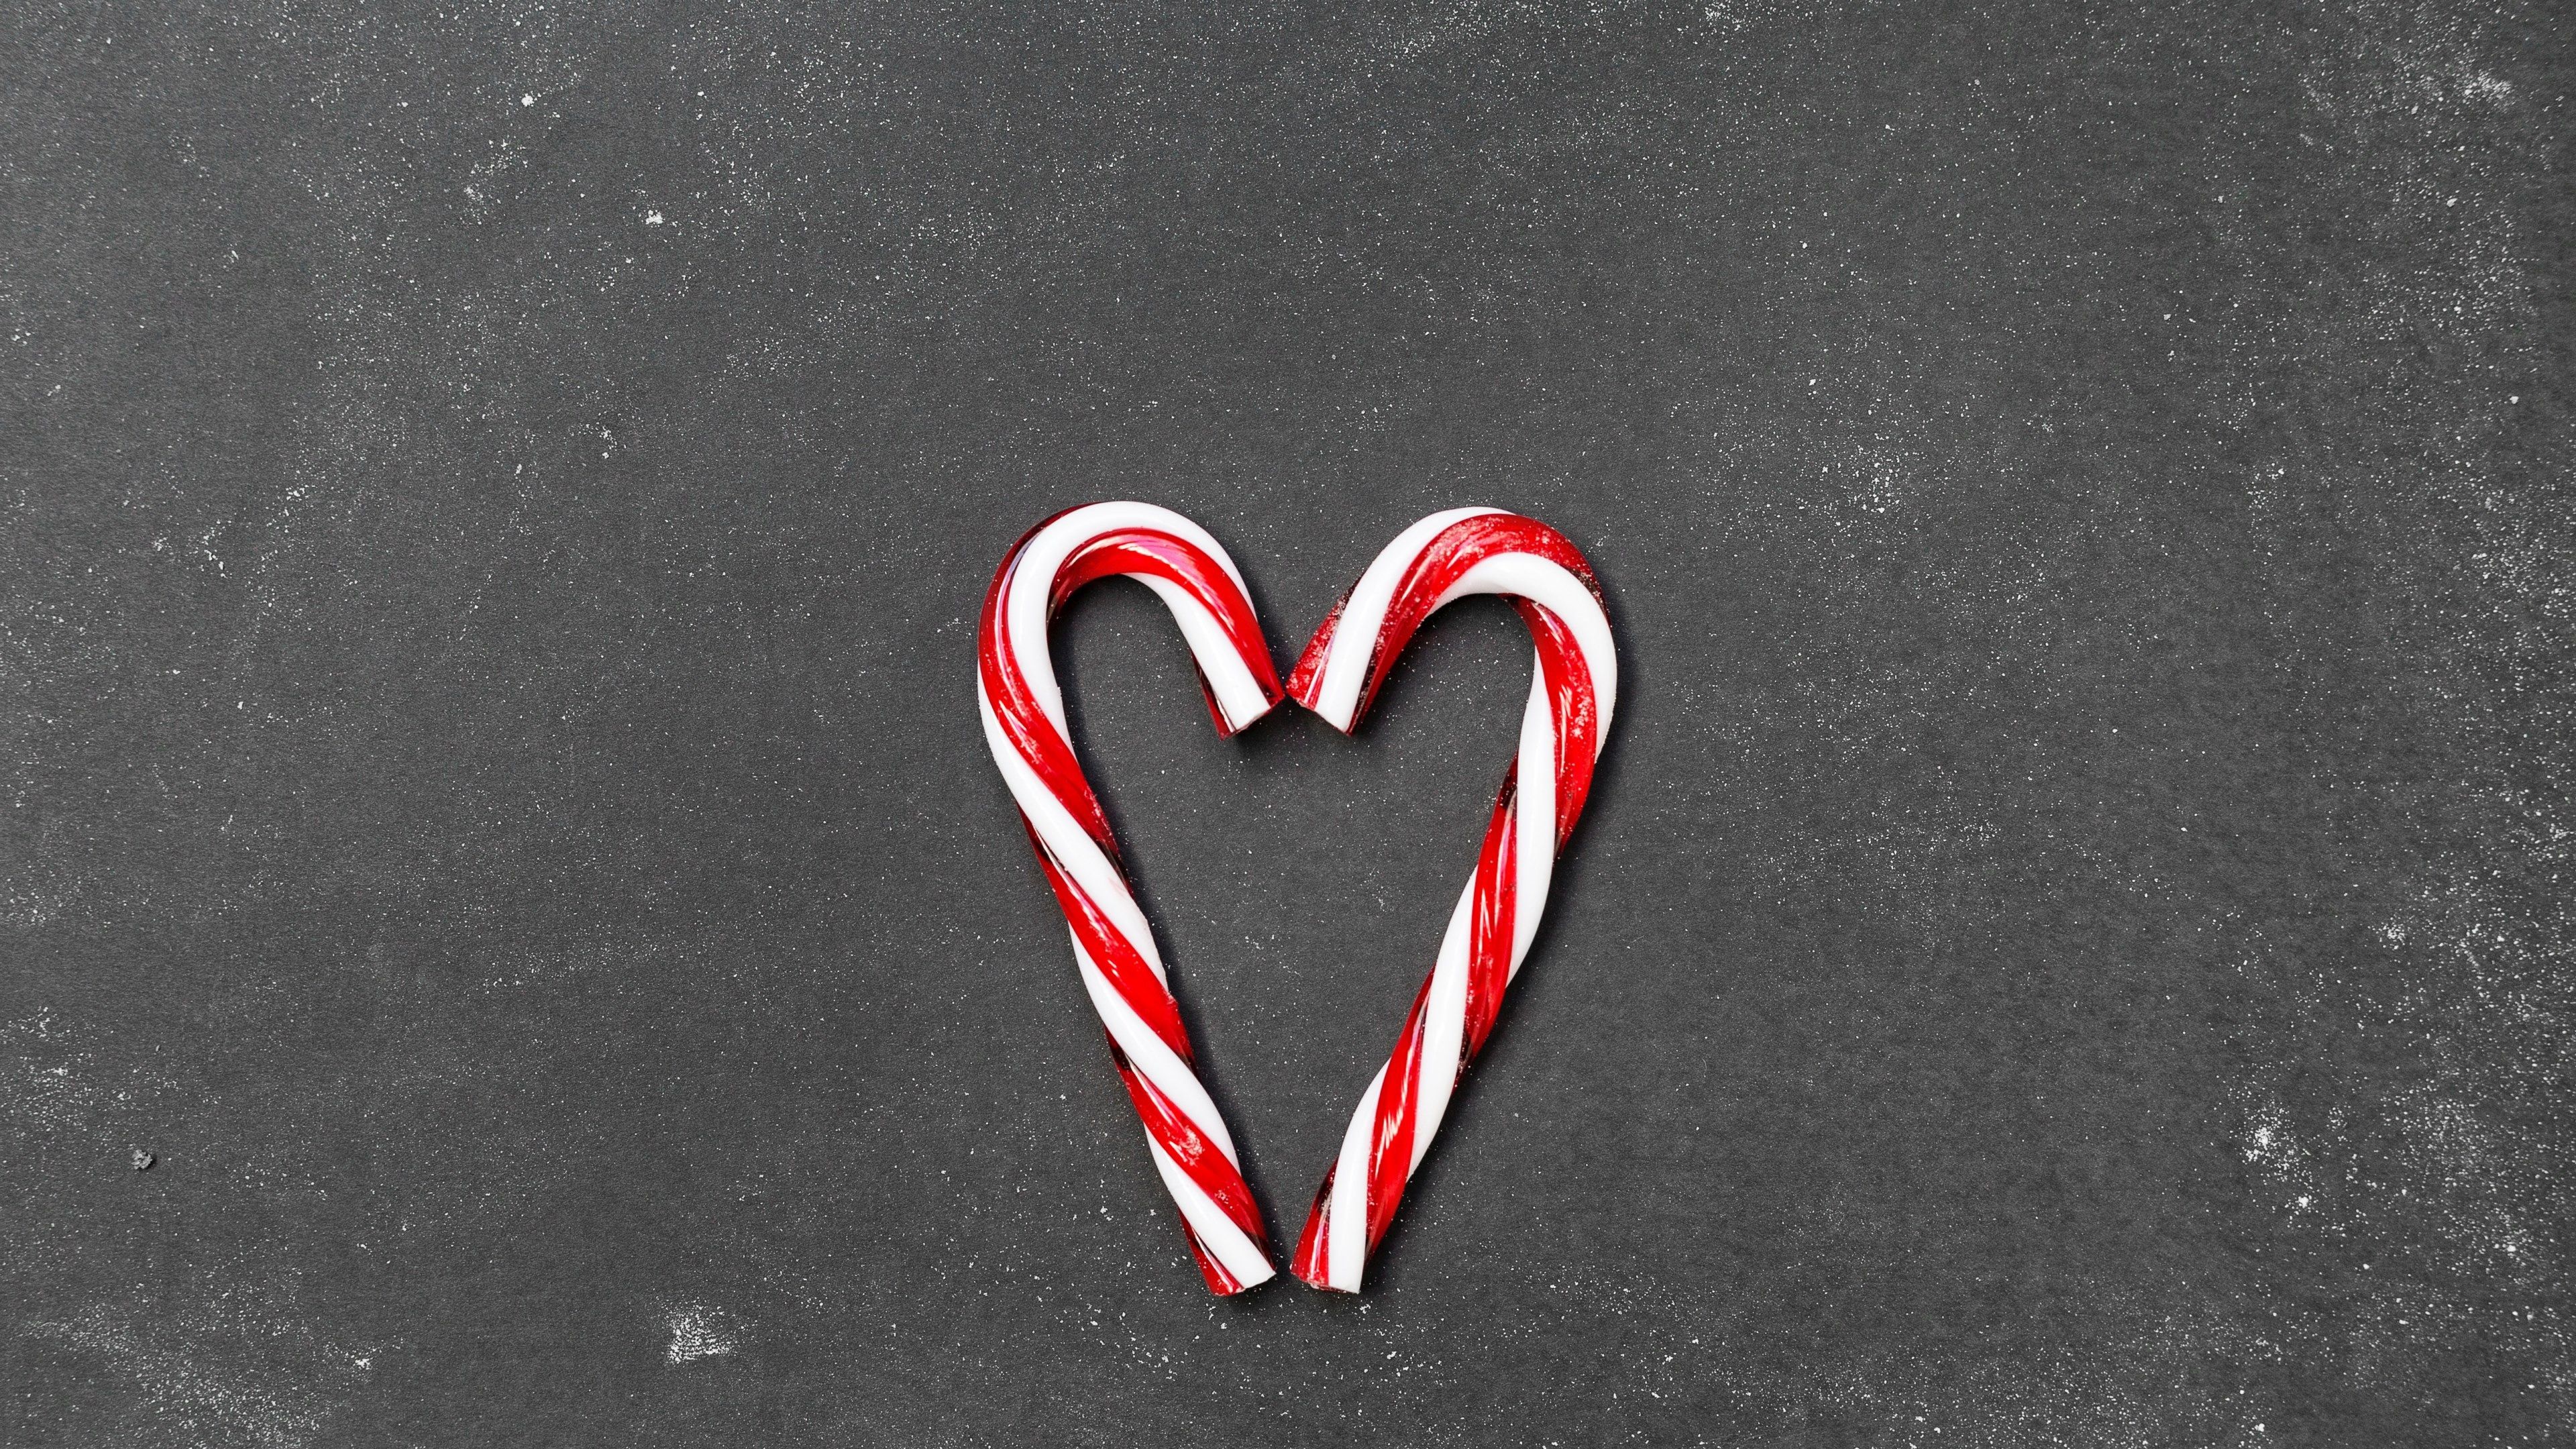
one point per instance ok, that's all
(1338, 675)
(1306, 681)
(1228, 725)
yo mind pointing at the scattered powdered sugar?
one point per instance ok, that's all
(233, 1366)
(51, 1081)
(698, 1331)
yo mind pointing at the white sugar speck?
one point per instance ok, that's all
(698, 1332)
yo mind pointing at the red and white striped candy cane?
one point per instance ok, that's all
(1113, 946)
(1445, 557)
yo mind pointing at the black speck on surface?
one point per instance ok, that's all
(2072, 946)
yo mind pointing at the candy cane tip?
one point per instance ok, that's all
(1228, 728)
(1221, 1280)
(1309, 694)
(1312, 1262)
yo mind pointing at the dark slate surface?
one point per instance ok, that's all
(2073, 945)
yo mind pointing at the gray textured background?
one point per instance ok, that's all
(2074, 946)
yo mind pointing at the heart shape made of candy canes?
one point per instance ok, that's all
(1448, 556)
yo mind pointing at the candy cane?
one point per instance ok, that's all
(1113, 946)
(1444, 557)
